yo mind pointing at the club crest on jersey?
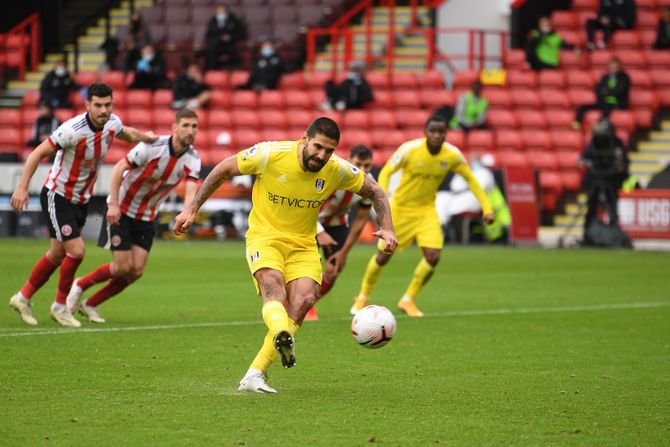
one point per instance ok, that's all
(116, 240)
(319, 184)
(443, 165)
(354, 170)
(108, 139)
(255, 256)
(66, 230)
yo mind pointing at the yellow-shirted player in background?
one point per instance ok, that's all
(293, 179)
(424, 163)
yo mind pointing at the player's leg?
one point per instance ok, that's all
(373, 272)
(339, 233)
(39, 275)
(74, 255)
(430, 239)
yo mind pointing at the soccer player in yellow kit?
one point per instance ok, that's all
(293, 179)
(424, 163)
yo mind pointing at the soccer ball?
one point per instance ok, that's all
(373, 327)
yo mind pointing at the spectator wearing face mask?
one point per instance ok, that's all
(543, 48)
(150, 70)
(138, 37)
(352, 93)
(267, 70)
(224, 30)
(56, 86)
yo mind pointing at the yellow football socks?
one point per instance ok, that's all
(422, 274)
(275, 316)
(372, 274)
(268, 354)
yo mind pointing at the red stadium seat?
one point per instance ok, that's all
(138, 118)
(10, 138)
(163, 117)
(237, 78)
(139, 98)
(30, 98)
(384, 138)
(576, 38)
(115, 79)
(626, 39)
(378, 80)
(579, 78)
(515, 59)
(406, 99)
(646, 20)
(646, 5)
(554, 99)
(246, 137)
(480, 140)
(456, 137)
(568, 59)
(382, 100)
(202, 140)
(293, 81)
(434, 99)
(411, 118)
(86, 78)
(508, 139)
(631, 58)
(568, 159)
(402, 80)
(11, 118)
(532, 119)
(317, 96)
(502, 119)
(564, 20)
(162, 98)
(297, 99)
(317, 79)
(644, 99)
(657, 58)
(465, 78)
(506, 158)
(525, 98)
(219, 99)
(584, 5)
(355, 119)
(521, 78)
(244, 99)
(660, 77)
(216, 79)
(274, 134)
(579, 96)
(640, 78)
(624, 120)
(274, 119)
(497, 98)
(273, 99)
(430, 79)
(351, 138)
(600, 59)
(551, 79)
(382, 119)
(560, 119)
(245, 118)
(572, 179)
(381, 156)
(299, 119)
(115, 154)
(536, 140)
(567, 140)
(543, 160)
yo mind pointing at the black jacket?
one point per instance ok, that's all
(266, 73)
(56, 88)
(354, 93)
(662, 35)
(620, 12)
(619, 89)
(232, 27)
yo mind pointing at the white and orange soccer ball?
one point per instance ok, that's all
(373, 326)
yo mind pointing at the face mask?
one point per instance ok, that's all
(148, 57)
(267, 51)
(60, 71)
(221, 17)
(354, 76)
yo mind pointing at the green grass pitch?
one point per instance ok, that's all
(519, 347)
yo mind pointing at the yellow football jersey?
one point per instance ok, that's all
(286, 199)
(423, 173)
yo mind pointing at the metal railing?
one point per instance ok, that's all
(22, 45)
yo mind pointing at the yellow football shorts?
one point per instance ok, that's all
(421, 225)
(293, 260)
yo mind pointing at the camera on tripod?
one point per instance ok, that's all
(607, 158)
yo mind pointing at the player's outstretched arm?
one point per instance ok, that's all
(132, 135)
(221, 172)
(464, 171)
(373, 192)
(113, 209)
(362, 216)
(20, 197)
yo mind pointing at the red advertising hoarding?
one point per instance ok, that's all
(645, 213)
(521, 195)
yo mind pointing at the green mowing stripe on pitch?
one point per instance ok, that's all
(472, 313)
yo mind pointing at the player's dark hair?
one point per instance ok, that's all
(324, 126)
(98, 89)
(436, 119)
(184, 113)
(361, 151)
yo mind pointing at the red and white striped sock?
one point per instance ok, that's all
(38, 277)
(67, 270)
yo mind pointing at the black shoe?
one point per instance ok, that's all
(284, 346)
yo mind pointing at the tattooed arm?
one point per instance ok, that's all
(221, 172)
(373, 192)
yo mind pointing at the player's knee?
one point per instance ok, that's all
(305, 301)
(432, 258)
(56, 256)
(383, 258)
(123, 269)
(77, 252)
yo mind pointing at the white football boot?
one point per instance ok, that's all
(62, 316)
(72, 300)
(91, 313)
(255, 381)
(22, 306)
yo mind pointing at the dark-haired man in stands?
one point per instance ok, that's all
(150, 70)
(189, 90)
(267, 69)
(80, 145)
(543, 49)
(56, 86)
(663, 32)
(352, 93)
(612, 15)
(611, 93)
(224, 30)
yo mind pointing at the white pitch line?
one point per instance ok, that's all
(464, 313)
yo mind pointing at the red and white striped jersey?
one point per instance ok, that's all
(80, 150)
(335, 210)
(156, 171)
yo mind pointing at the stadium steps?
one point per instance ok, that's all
(90, 55)
(411, 51)
(652, 155)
